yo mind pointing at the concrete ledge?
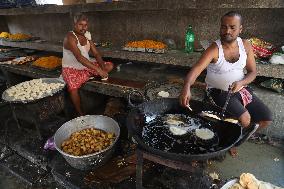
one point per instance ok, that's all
(172, 57)
(144, 5)
(44, 46)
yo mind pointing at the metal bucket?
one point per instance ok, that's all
(89, 161)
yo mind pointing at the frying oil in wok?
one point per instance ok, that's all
(156, 134)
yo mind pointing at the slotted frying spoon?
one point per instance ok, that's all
(224, 108)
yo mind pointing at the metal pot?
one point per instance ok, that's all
(7, 98)
(90, 121)
(151, 91)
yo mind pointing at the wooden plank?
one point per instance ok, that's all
(121, 82)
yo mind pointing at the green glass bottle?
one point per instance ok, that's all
(189, 40)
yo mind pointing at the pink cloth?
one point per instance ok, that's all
(246, 96)
(76, 78)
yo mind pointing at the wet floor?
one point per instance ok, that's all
(8, 181)
(264, 161)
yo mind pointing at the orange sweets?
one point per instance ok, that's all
(150, 44)
(48, 62)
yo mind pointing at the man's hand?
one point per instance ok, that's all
(185, 97)
(209, 55)
(102, 73)
(236, 86)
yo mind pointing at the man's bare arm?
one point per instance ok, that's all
(201, 65)
(70, 43)
(96, 54)
(203, 62)
(250, 66)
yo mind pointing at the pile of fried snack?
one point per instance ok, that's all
(16, 36)
(87, 141)
(32, 90)
(262, 49)
(23, 60)
(151, 44)
(258, 42)
(48, 62)
(248, 181)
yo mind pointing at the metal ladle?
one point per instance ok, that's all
(224, 108)
(189, 107)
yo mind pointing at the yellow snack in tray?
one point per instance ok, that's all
(5, 35)
(18, 36)
(260, 43)
(87, 141)
(150, 44)
(48, 62)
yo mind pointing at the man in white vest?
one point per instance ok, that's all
(225, 61)
(77, 66)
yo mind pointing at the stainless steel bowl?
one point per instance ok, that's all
(8, 98)
(89, 161)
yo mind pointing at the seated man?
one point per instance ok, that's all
(77, 67)
(225, 60)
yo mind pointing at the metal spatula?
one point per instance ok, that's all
(188, 107)
(222, 115)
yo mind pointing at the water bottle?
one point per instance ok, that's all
(189, 40)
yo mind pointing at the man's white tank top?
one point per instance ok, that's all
(222, 74)
(70, 61)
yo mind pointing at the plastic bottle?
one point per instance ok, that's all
(189, 40)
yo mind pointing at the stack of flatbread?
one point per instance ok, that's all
(23, 60)
(20, 60)
(248, 181)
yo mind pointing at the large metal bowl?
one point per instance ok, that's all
(38, 109)
(89, 161)
(8, 98)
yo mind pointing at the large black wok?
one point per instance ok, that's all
(229, 134)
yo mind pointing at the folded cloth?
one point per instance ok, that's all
(76, 78)
(246, 96)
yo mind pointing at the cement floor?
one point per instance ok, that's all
(266, 162)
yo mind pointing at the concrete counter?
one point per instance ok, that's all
(143, 5)
(173, 57)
